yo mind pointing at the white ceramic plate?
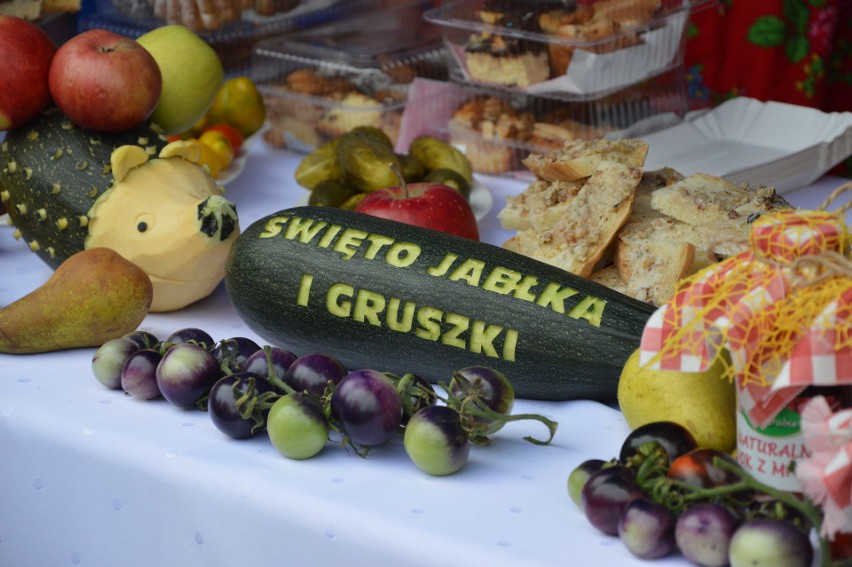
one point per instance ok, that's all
(237, 165)
(481, 200)
(748, 141)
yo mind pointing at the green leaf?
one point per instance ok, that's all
(767, 31)
(796, 13)
(797, 48)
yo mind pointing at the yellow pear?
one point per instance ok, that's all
(703, 402)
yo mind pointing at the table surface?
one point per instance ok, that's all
(92, 477)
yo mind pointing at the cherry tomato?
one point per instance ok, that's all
(696, 468)
(233, 135)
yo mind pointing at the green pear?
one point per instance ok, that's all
(702, 402)
(192, 75)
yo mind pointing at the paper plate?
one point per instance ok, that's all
(748, 141)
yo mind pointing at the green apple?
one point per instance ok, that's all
(192, 74)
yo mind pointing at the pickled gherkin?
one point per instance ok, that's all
(449, 178)
(412, 169)
(342, 172)
(318, 166)
(331, 193)
(435, 153)
(368, 163)
(373, 134)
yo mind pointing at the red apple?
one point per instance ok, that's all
(104, 81)
(26, 52)
(430, 205)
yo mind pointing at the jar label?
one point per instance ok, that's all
(769, 453)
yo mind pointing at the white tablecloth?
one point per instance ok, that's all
(91, 477)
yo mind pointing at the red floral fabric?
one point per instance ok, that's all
(795, 51)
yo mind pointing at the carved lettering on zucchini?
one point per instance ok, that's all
(349, 242)
(424, 321)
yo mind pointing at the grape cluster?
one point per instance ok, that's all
(663, 494)
(302, 402)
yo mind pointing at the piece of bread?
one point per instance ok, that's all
(577, 159)
(676, 226)
(589, 223)
(540, 205)
(702, 199)
(610, 278)
(652, 255)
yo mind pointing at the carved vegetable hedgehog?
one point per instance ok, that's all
(67, 189)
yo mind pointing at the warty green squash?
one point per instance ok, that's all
(394, 297)
(68, 189)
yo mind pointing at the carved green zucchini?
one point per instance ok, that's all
(394, 297)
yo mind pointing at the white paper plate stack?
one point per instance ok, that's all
(748, 141)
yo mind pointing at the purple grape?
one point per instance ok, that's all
(605, 496)
(234, 351)
(281, 360)
(191, 335)
(109, 359)
(703, 533)
(186, 374)
(139, 374)
(313, 372)
(436, 441)
(221, 404)
(367, 407)
(647, 529)
(767, 542)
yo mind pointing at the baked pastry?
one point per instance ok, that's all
(490, 130)
(633, 13)
(581, 236)
(674, 226)
(311, 108)
(504, 59)
(550, 134)
(540, 205)
(200, 15)
(652, 255)
(608, 276)
(357, 109)
(577, 159)
(702, 199)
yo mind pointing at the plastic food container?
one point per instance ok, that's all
(497, 128)
(583, 51)
(322, 82)
(231, 27)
